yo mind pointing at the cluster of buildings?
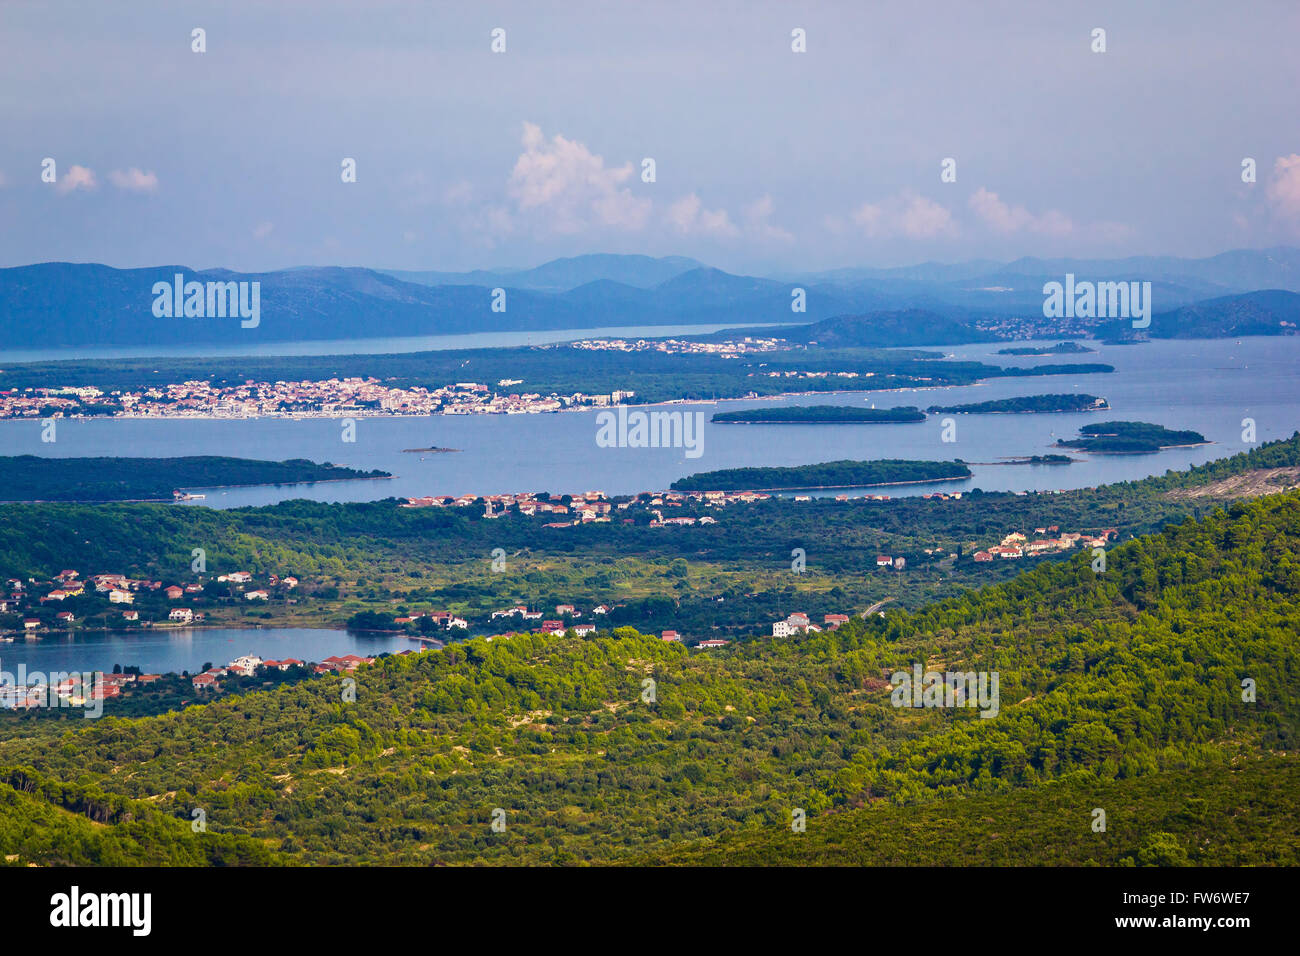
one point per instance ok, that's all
(443, 619)
(71, 690)
(1017, 545)
(801, 624)
(249, 665)
(596, 506)
(122, 591)
(331, 398)
(748, 345)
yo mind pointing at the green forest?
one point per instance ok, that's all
(33, 478)
(1129, 438)
(821, 415)
(1159, 680)
(828, 474)
(1071, 402)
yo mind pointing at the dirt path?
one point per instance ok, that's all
(1250, 484)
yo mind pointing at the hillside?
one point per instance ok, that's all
(1267, 312)
(1113, 677)
(1236, 817)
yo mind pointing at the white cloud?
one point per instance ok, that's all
(77, 177)
(1006, 219)
(263, 229)
(1284, 188)
(756, 217)
(689, 217)
(570, 189)
(134, 180)
(907, 215)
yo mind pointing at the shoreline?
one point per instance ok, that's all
(879, 484)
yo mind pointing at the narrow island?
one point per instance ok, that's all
(1060, 348)
(435, 450)
(820, 415)
(828, 474)
(34, 478)
(1130, 438)
(1029, 403)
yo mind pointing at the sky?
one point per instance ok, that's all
(766, 160)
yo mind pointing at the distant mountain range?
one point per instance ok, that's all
(59, 304)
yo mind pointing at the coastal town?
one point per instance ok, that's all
(748, 345)
(330, 398)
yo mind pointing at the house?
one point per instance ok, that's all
(883, 560)
(257, 595)
(203, 681)
(552, 627)
(174, 593)
(600, 609)
(584, 629)
(563, 609)
(283, 665)
(713, 642)
(782, 629)
(131, 615)
(237, 577)
(835, 620)
(55, 595)
(900, 563)
(983, 556)
(290, 582)
(182, 614)
(65, 617)
(671, 636)
(245, 666)
(118, 596)
(1014, 537)
(31, 623)
(348, 662)
(194, 589)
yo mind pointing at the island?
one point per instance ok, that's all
(1130, 438)
(1060, 348)
(1029, 403)
(34, 478)
(820, 415)
(828, 474)
(434, 450)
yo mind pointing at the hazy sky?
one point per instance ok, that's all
(766, 159)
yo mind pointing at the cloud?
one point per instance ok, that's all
(1284, 188)
(689, 217)
(77, 177)
(133, 180)
(907, 215)
(756, 215)
(458, 193)
(263, 229)
(568, 188)
(1006, 219)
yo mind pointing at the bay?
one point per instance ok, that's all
(173, 650)
(1206, 385)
